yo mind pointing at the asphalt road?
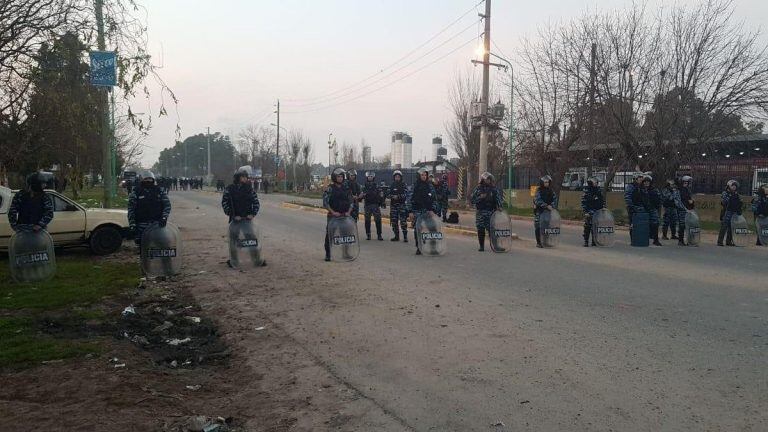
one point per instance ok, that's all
(569, 338)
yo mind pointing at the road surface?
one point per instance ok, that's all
(539, 339)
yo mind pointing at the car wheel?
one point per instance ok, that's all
(106, 240)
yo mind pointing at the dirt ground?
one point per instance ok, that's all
(238, 371)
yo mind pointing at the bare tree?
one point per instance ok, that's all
(295, 142)
(462, 137)
(257, 143)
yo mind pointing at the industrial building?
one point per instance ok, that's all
(402, 150)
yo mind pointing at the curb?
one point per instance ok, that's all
(461, 230)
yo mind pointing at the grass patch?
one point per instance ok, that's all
(22, 345)
(93, 197)
(71, 298)
(78, 281)
(307, 194)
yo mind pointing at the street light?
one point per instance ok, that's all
(330, 147)
(510, 173)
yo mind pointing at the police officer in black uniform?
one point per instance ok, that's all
(32, 209)
(398, 214)
(147, 205)
(374, 202)
(337, 199)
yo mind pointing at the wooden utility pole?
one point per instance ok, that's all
(277, 145)
(483, 156)
(592, 135)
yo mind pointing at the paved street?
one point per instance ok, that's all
(565, 339)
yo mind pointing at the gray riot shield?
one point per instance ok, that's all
(429, 235)
(549, 221)
(692, 228)
(603, 228)
(739, 230)
(501, 232)
(161, 251)
(31, 256)
(245, 245)
(343, 238)
(761, 224)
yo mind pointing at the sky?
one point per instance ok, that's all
(229, 61)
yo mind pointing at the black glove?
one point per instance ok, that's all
(163, 223)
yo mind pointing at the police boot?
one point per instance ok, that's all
(537, 231)
(729, 237)
(378, 231)
(721, 234)
(481, 239)
(396, 237)
(681, 236)
(586, 235)
(664, 233)
(405, 236)
(655, 233)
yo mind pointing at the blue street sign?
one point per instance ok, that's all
(103, 68)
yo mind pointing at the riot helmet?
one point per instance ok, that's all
(592, 182)
(422, 171)
(487, 178)
(146, 177)
(686, 179)
(36, 182)
(732, 183)
(351, 173)
(338, 172)
(545, 181)
(370, 175)
(397, 173)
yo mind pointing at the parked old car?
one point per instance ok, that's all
(102, 230)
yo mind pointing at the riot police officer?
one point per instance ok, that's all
(760, 206)
(421, 200)
(730, 202)
(669, 195)
(592, 201)
(443, 193)
(398, 213)
(374, 201)
(147, 205)
(486, 198)
(31, 209)
(337, 200)
(628, 193)
(240, 200)
(357, 194)
(684, 203)
(544, 200)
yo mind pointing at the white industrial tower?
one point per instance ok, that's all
(402, 150)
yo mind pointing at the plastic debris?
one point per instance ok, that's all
(129, 310)
(194, 319)
(174, 364)
(163, 327)
(260, 328)
(195, 387)
(176, 342)
(498, 424)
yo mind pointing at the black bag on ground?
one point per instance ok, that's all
(453, 217)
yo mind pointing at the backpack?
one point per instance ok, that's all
(453, 217)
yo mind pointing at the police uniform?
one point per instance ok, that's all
(398, 212)
(147, 206)
(374, 200)
(591, 201)
(336, 198)
(646, 200)
(421, 200)
(240, 199)
(486, 198)
(684, 203)
(355, 190)
(669, 196)
(731, 206)
(442, 199)
(544, 197)
(29, 209)
(760, 206)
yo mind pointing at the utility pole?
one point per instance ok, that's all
(209, 154)
(277, 145)
(511, 170)
(591, 164)
(106, 165)
(483, 162)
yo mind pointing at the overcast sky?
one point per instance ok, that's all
(228, 62)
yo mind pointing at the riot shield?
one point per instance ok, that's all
(603, 228)
(501, 232)
(161, 251)
(31, 256)
(739, 230)
(244, 244)
(692, 228)
(549, 222)
(761, 224)
(429, 235)
(343, 238)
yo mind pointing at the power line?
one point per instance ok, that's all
(347, 93)
(385, 85)
(407, 55)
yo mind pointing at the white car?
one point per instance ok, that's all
(102, 230)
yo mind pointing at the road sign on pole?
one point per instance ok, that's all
(103, 68)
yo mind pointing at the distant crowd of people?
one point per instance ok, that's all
(170, 183)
